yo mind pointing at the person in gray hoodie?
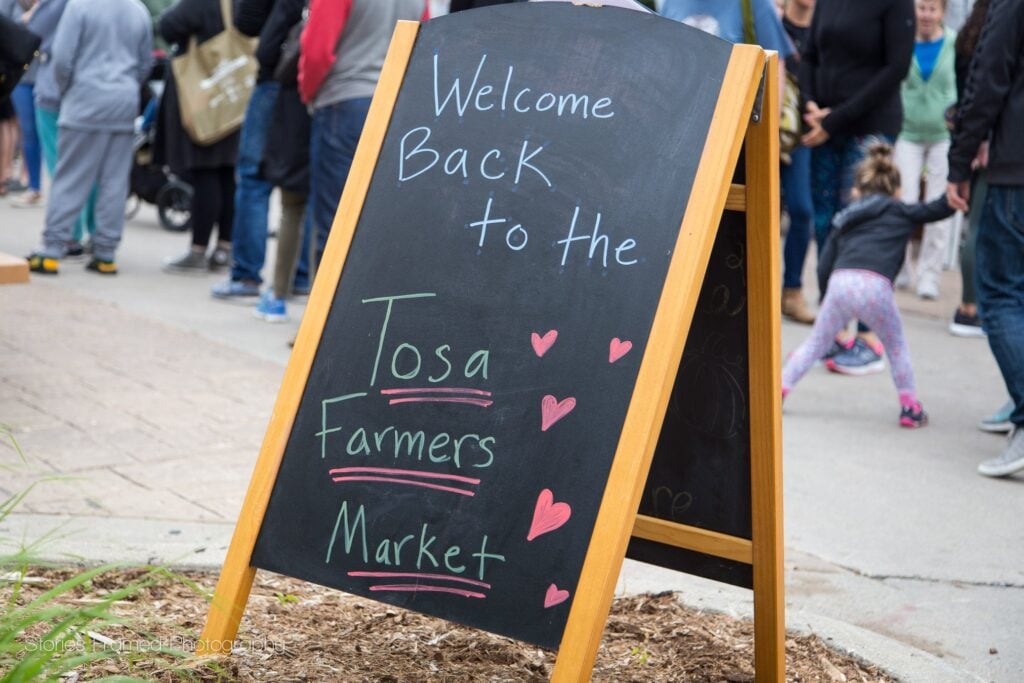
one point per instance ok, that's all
(100, 56)
(44, 24)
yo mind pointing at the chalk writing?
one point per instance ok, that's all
(388, 551)
(407, 359)
(523, 100)
(400, 476)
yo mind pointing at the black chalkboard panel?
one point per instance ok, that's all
(700, 475)
(454, 438)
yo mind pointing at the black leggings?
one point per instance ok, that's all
(213, 201)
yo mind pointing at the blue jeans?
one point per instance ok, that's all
(252, 194)
(796, 193)
(23, 98)
(999, 278)
(333, 139)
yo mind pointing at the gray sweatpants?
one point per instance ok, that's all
(84, 158)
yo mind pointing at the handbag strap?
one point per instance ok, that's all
(226, 15)
(749, 34)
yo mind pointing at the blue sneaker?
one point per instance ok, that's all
(999, 421)
(837, 348)
(859, 359)
(271, 309)
(242, 291)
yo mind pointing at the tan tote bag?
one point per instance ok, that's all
(215, 80)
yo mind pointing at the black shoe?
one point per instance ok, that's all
(965, 325)
(74, 249)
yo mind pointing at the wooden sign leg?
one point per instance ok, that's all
(236, 576)
(763, 297)
(617, 514)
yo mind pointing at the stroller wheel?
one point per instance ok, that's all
(131, 207)
(174, 206)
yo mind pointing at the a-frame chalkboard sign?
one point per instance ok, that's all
(478, 387)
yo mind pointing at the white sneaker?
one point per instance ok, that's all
(29, 200)
(928, 290)
(1011, 460)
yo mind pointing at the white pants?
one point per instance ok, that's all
(929, 158)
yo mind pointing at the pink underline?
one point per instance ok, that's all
(406, 481)
(411, 473)
(412, 588)
(473, 401)
(436, 390)
(439, 577)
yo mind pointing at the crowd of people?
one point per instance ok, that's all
(896, 113)
(901, 116)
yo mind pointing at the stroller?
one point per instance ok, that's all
(150, 182)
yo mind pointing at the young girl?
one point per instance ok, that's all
(862, 256)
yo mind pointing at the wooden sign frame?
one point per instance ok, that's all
(617, 519)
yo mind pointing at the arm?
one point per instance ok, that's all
(283, 16)
(145, 54)
(989, 80)
(251, 15)
(320, 37)
(65, 46)
(935, 210)
(898, 28)
(46, 17)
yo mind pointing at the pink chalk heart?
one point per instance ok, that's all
(548, 515)
(618, 348)
(555, 596)
(542, 344)
(552, 410)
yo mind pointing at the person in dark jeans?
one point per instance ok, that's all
(252, 195)
(796, 182)
(993, 104)
(343, 50)
(857, 55)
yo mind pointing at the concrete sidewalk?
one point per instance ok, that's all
(154, 398)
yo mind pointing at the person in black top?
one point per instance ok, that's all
(966, 321)
(796, 180)
(857, 55)
(993, 104)
(857, 267)
(209, 169)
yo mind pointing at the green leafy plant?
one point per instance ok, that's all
(51, 635)
(640, 655)
(286, 598)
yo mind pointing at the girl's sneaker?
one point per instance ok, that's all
(271, 309)
(860, 359)
(913, 417)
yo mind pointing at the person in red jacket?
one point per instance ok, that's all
(342, 53)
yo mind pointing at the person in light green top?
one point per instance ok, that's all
(928, 91)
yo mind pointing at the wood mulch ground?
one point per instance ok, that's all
(295, 631)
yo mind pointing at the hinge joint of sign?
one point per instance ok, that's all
(755, 115)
